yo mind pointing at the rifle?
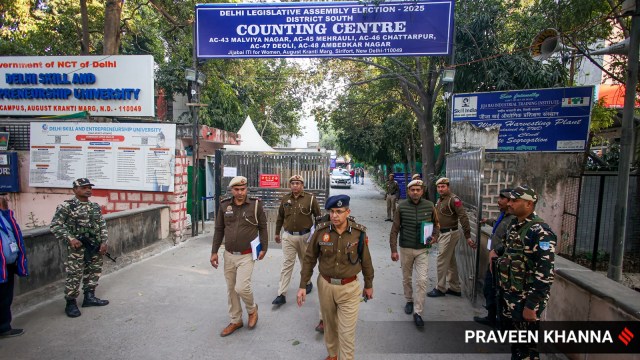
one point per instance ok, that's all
(499, 292)
(91, 249)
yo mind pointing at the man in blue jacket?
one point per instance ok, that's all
(13, 261)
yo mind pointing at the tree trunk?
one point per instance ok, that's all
(112, 14)
(85, 47)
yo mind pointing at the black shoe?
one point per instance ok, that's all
(11, 333)
(408, 308)
(280, 300)
(388, 220)
(485, 321)
(454, 293)
(90, 299)
(418, 320)
(309, 288)
(71, 309)
(435, 293)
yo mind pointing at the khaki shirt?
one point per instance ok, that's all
(297, 213)
(450, 210)
(392, 187)
(336, 253)
(239, 225)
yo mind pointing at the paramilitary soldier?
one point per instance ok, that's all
(240, 220)
(391, 195)
(525, 268)
(408, 221)
(450, 211)
(341, 249)
(495, 245)
(79, 223)
(296, 214)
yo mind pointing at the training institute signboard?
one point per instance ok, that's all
(123, 156)
(108, 85)
(328, 29)
(530, 120)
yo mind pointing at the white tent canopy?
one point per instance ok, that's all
(251, 140)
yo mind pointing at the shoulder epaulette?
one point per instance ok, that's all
(226, 199)
(254, 198)
(359, 227)
(323, 225)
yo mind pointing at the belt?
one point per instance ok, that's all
(334, 281)
(306, 231)
(446, 230)
(240, 252)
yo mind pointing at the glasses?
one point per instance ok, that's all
(337, 212)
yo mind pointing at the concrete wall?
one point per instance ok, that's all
(579, 294)
(129, 230)
(544, 172)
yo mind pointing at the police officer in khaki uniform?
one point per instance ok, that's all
(408, 222)
(341, 249)
(391, 195)
(296, 213)
(239, 221)
(450, 210)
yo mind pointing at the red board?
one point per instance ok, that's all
(269, 180)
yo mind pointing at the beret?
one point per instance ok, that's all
(238, 181)
(296, 178)
(443, 180)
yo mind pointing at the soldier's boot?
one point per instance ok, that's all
(72, 308)
(489, 320)
(90, 299)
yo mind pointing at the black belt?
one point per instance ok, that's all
(306, 231)
(446, 230)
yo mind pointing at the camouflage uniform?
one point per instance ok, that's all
(74, 219)
(526, 274)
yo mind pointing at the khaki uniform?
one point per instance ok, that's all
(413, 254)
(338, 261)
(239, 225)
(296, 215)
(450, 210)
(392, 193)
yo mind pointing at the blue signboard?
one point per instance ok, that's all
(9, 172)
(531, 120)
(327, 29)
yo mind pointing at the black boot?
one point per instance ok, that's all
(489, 320)
(72, 308)
(90, 299)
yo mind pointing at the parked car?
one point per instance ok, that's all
(340, 178)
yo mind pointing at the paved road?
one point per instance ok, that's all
(173, 306)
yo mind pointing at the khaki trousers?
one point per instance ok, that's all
(340, 305)
(292, 245)
(391, 206)
(447, 266)
(417, 259)
(237, 272)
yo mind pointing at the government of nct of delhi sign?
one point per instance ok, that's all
(328, 29)
(104, 85)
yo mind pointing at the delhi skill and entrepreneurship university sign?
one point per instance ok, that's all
(328, 29)
(117, 85)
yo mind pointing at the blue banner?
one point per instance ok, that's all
(9, 179)
(530, 120)
(327, 29)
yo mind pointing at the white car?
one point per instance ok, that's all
(340, 178)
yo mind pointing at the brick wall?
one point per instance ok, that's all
(120, 200)
(499, 173)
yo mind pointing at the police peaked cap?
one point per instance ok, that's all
(337, 201)
(296, 178)
(238, 181)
